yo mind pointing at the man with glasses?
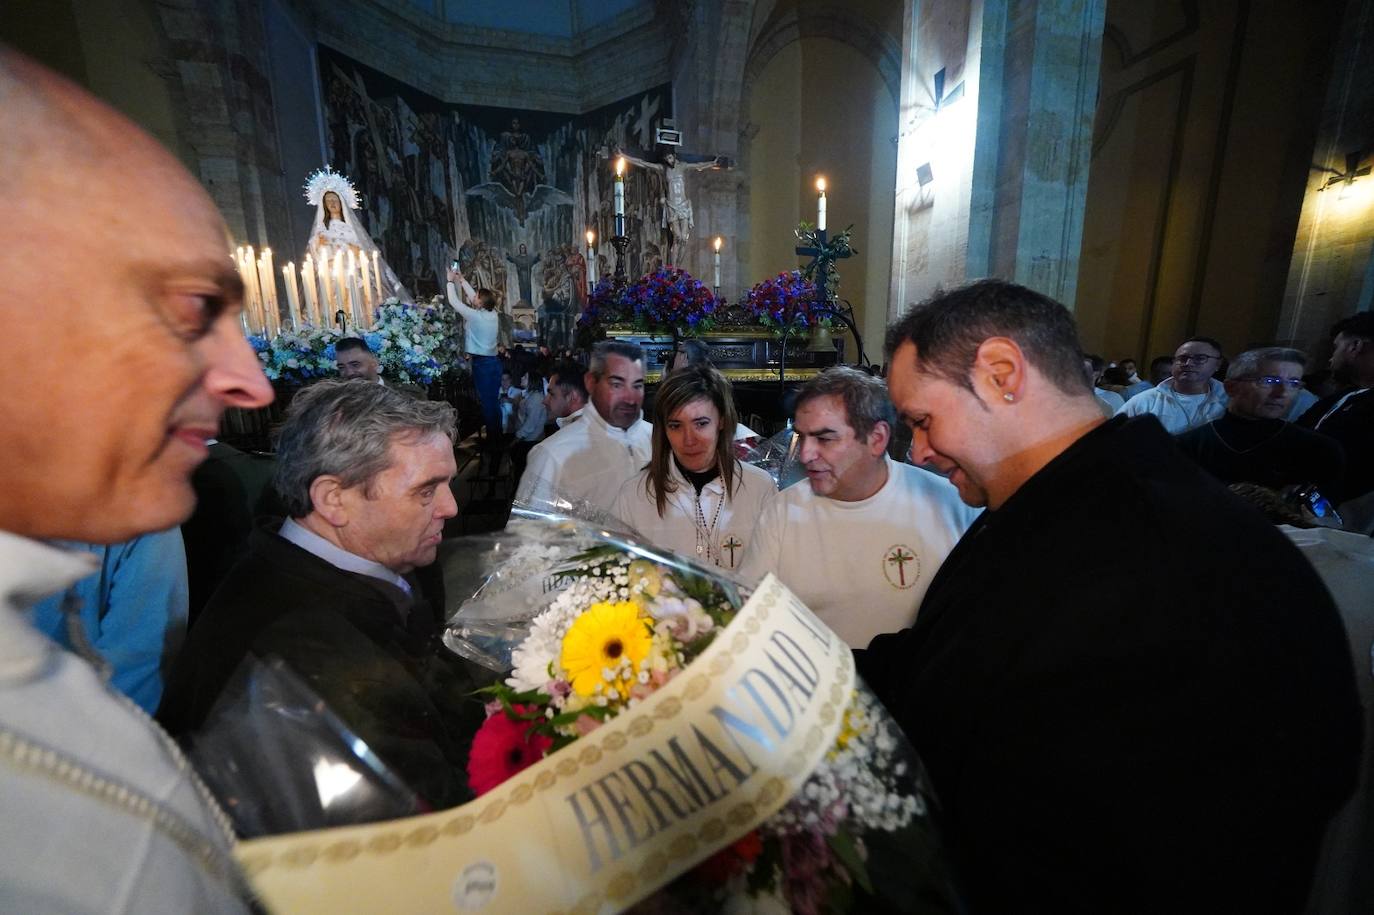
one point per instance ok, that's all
(1191, 397)
(1251, 442)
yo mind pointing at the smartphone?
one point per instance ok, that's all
(453, 265)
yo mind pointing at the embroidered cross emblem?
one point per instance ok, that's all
(897, 557)
(732, 543)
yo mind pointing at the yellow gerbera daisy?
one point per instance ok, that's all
(601, 639)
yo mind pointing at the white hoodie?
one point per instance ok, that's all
(1179, 412)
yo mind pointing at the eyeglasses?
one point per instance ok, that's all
(1276, 381)
(1194, 359)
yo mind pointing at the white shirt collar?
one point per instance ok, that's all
(572, 417)
(338, 557)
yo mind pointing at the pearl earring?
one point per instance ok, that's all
(1009, 397)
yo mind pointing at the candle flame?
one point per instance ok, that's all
(820, 184)
(620, 167)
(718, 242)
(591, 237)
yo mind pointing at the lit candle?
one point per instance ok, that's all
(377, 276)
(270, 293)
(272, 321)
(716, 244)
(293, 302)
(312, 308)
(253, 286)
(326, 302)
(355, 295)
(820, 205)
(591, 258)
(620, 197)
(338, 298)
(367, 282)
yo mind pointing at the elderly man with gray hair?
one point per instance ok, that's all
(861, 543)
(364, 472)
(1252, 442)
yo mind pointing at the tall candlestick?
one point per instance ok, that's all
(312, 308)
(293, 302)
(591, 259)
(359, 307)
(326, 294)
(272, 324)
(716, 244)
(377, 276)
(820, 205)
(620, 196)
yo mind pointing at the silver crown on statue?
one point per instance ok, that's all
(326, 179)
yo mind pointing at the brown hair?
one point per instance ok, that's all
(486, 299)
(697, 382)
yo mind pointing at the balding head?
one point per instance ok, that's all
(122, 316)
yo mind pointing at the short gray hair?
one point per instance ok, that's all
(1247, 364)
(865, 398)
(345, 429)
(606, 348)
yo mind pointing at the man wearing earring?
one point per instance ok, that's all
(1251, 442)
(1191, 397)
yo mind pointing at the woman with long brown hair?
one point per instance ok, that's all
(694, 497)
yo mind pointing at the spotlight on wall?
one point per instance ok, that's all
(924, 175)
(1347, 177)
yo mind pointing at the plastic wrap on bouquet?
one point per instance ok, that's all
(279, 761)
(778, 455)
(660, 742)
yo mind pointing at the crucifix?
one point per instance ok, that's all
(900, 557)
(731, 543)
(677, 207)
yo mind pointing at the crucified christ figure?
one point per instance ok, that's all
(677, 208)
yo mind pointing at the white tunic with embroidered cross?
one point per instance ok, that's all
(706, 528)
(863, 566)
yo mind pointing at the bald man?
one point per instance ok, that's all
(117, 374)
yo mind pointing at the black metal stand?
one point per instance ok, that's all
(620, 243)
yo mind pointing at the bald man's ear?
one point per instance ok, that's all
(327, 499)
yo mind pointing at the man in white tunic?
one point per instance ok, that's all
(861, 543)
(126, 369)
(585, 462)
(1191, 397)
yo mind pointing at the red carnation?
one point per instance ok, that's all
(732, 859)
(502, 747)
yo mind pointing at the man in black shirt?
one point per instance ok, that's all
(1252, 443)
(1167, 728)
(1348, 415)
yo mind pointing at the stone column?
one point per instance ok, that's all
(1003, 152)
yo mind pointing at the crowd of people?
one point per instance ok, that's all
(1165, 727)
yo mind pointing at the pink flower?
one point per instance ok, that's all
(502, 747)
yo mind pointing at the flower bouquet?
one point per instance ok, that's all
(786, 302)
(672, 301)
(414, 344)
(662, 742)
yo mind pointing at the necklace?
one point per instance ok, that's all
(706, 535)
(1259, 444)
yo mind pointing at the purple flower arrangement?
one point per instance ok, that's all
(786, 301)
(668, 301)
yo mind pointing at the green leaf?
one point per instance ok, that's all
(847, 850)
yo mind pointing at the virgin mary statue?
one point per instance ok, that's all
(336, 229)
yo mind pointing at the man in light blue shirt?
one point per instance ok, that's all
(132, 612)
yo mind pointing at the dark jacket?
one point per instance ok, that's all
(1353, 426)
(1131, 692)
(370, 651)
